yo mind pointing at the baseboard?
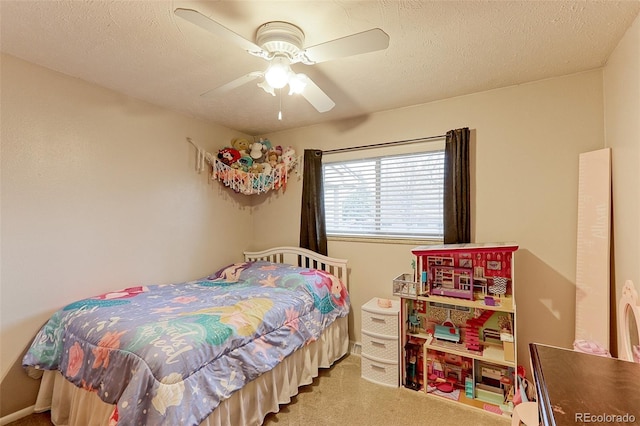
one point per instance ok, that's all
(356, 348)
(17, 415)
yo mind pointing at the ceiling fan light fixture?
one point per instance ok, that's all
(297, 83)
(265, 86)
(282, 44)
(278, 72)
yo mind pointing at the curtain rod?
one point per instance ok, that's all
(378, 145)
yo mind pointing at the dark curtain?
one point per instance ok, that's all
(313, 230)
(457, 214)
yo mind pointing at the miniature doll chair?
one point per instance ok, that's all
(499, 286)
(414, 322)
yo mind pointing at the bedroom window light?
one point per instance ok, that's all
(397, 196)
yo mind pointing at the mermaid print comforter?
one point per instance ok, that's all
(169, 354)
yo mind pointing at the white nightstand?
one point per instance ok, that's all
(380, 344)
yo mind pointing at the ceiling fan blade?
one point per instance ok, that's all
(316, 97)
(247, 78)
(216, 28)
(364, 42)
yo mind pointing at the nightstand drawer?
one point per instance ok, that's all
(382, 347)
(379, 323)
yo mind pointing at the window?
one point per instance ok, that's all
(391, 196)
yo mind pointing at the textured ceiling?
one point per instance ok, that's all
(437, 50)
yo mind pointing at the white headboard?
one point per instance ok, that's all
(302, 257)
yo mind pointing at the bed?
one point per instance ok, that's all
(226, 349)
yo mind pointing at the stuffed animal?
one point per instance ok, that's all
(272, 158)
(229, 155)
(266, 143)
(257, 152)
(257, 168)
(241, 145)
(288, 156)
(244, 163)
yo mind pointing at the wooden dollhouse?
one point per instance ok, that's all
(463, 324)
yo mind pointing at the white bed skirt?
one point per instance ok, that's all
(74, 406)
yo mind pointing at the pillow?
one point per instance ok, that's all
(230, 273)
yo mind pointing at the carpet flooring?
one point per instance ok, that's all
(339, 396)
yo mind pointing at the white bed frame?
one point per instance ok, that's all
(302, 257)
(250, 405)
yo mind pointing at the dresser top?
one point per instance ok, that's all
(372, 306)
(573, 386)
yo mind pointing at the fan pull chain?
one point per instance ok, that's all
(280, 100)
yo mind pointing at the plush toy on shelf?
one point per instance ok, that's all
(266, 143)
(288, 156)
(253, 168)
(242, 145)
(244, 163)
(257, 152)
(229, 156)
(272, 158)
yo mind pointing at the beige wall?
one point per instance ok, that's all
(525, 145)
(98, 192)
(622, 130)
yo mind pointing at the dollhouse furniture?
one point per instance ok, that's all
(479, 280)
(414, 322)
(450, 281)
(461, 336)
(447, 332)
(380, 348)
(499, 286)
(572, 385)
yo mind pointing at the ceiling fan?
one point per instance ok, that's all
(282, 44)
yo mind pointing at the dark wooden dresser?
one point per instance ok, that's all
(577, 388)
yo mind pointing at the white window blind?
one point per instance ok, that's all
(392, 196)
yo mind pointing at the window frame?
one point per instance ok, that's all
(374, 153)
